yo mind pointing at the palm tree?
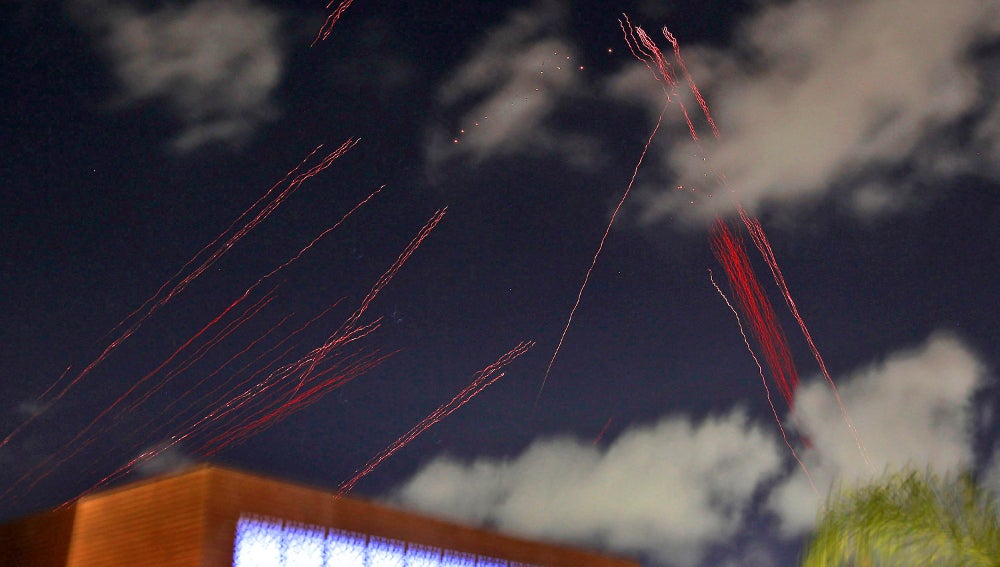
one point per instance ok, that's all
(908, 518)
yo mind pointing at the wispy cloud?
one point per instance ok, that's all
(165, 459)
(670, 489)
(912, 409)
(215, 63)
(501, 99)
(821, 100)
(675, 489)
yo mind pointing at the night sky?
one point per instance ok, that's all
(865, 136)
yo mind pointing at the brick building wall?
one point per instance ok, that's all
(190, 520)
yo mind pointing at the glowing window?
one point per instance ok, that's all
(458, 559)
(345, 549)
(263, 542)
(258, 543)
(303, 545)
(385, 552)
(422, 556)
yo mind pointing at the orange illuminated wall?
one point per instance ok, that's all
(189, 519)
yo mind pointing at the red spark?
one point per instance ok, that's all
(482, 380)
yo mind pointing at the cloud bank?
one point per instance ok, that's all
(844, 100)
(215, 63)
(911, 409)
(682, 485)
(674, 490)
(866, 103)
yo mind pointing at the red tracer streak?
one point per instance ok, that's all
(757, 309)
(482, 380)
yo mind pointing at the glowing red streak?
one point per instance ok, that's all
(313, 242)
(263, 369)
(604, 429)
(331, 20)
(269, 400)
(687, 75)
(318, 384)
(756, 309)
(301, 373)
(199, 353)
(345, 374)
(597, 254)
(201, 400)
(730, 252)
(348, 326)
(763, 381)
(160, 298)
(644, 49)
(232, 326)
(764, 246)
(482, 380)
(205, 378)
(293, 259)
(391, 272)
(79, 441)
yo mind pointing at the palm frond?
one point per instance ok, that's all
(908, 518)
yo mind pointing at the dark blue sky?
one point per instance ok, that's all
(133, 135)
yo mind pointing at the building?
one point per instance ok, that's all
(210, 516)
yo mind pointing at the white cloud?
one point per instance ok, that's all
(669, 490)
(215, 63)
(913, 409)
(818, 93)
(500, 100)
(673, 490)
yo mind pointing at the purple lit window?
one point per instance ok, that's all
(345, 549)
(458, 559)
(258, 543)
(267, 542)
(303, 545)
(422, 556)
(384, 552)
